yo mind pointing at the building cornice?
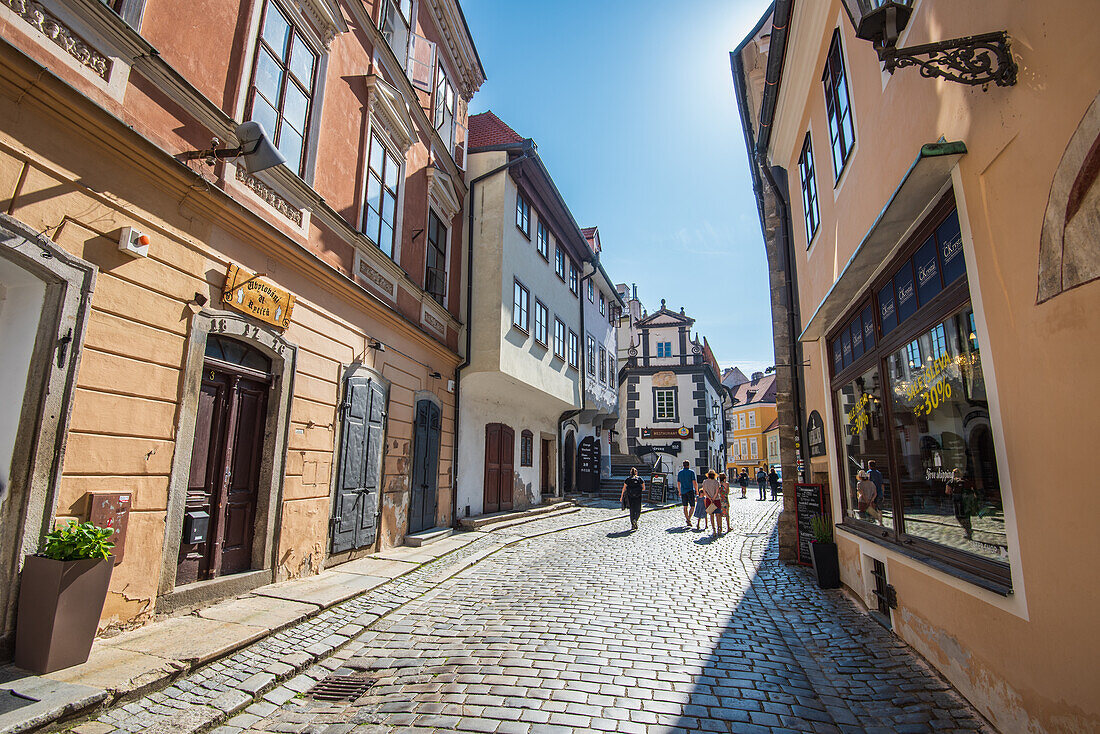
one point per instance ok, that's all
(456, 34)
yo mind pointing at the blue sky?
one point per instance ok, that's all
(631, 104)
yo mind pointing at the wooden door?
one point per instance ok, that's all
(544, 484)
(359, 481)
(499, 467)
(425, 469)
(225, 470)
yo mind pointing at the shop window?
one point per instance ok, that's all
(863, 440)
(281, 93)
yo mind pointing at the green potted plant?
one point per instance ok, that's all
(61, 595)
(824, 554)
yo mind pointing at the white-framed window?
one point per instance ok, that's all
(809, 189)
(435, 272)
(591, 291)
(752, 419)
(736, 447)
(559, 262)
(664, 403)
(559, 338)
(383, 192)
(574, 348)
(574, 285)
(542, 323)
(603, 365)
(842, 132)
(752, 448)
(521, 301)
(280, 96)
(445, 108)
(590, 354)
(664, 349)
(395, 22)
(611, 371)
(603, 305)
(744, 448)
(523, 215)
(542, 240)
(741, 420)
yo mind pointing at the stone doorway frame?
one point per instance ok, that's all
(28, 507)
(283, 355)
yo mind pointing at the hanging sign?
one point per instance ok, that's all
(815, 433)
(250, 294)
(681, 432)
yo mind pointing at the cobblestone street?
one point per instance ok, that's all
(586, 628)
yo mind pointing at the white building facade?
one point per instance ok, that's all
(522, 379)
(674, 401)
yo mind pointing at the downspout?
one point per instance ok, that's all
(528, 147)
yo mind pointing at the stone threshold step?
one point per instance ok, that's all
(427, 537)
(479, 522)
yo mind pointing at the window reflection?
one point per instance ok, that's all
(864, 449)
(943, 442)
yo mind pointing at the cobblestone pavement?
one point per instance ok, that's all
(597, 629)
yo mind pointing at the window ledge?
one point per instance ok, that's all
(984, 582)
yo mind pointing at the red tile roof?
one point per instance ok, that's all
(487, 129)
(588, 232)
(591, 234)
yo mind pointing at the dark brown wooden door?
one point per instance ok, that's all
(545, 462)
(225, 469)
(499, 467)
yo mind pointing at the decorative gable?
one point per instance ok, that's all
(390, 111)
(441, 193)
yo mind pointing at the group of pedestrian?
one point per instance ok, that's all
(869, 492)
(706, 501)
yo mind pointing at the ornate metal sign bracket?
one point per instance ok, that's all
(973, 60)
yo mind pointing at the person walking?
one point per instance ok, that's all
(633, 488)
(724, 495)
(773, 479)
(762, 483)
(876, 476)
(743, 480)
(700, 514)
(689, 483)
(711, 491)
(866, 492)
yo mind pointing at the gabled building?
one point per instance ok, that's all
(246, 360)
(525, 361)
(752, 412)
(671, 390)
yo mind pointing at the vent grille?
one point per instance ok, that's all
(345, 687)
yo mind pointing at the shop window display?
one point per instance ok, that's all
(864, 448)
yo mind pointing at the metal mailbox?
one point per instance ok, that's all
(196, 525)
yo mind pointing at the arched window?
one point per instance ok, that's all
(231, 351)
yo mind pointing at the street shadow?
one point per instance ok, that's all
(707, 539)
(620, 534)
(678, 529)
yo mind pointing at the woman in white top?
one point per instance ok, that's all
(867, 492)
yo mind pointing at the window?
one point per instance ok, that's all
(542, 323)
(574, 346)
(603, 365)
(741, 421)
(603, 304)
(395, 24)
(445, 108)
(753, 450)
(590, 354)
(912, 408)
(744, 449)
(383, 185)
(435, 275)
(574, 285)
(752, 419)
(559, 262)
(526, 448)
(521, 299)
(542, 241)
(664, 349)
(809, 190)
(281, 93)
(736, 449)
(523, 215)
(842, 133)
(591, 292)
(664, 402)
(559, 338)
(612, 373)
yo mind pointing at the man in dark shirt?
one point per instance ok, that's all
(773, 480)
(689, 483)
(876, 476)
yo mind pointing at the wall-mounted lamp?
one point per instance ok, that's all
(973, 60)
(255, 153)
(377, 345)
(436, 376)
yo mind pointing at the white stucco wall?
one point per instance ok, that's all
(21, 299)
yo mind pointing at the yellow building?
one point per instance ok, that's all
(753, 411)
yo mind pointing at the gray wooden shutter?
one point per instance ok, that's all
(355, 506)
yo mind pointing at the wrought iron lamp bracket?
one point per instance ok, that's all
(973, 60)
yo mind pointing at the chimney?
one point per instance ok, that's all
(757, 376)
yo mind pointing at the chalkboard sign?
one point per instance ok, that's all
(588, 465)
(658, 487)
(811, 502)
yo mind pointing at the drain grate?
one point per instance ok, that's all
(342, 687)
